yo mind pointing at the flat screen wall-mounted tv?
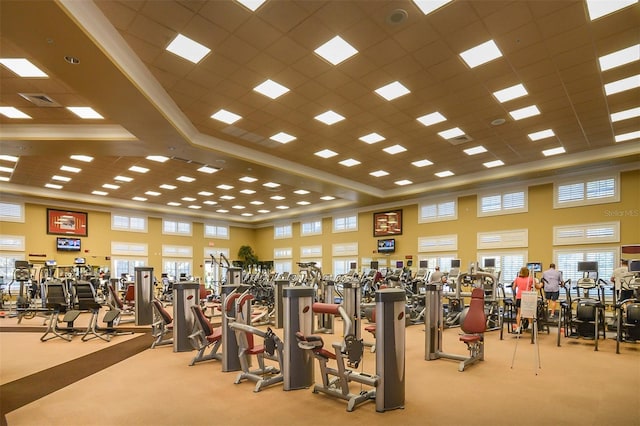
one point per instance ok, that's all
(68, 244)
(387, 245)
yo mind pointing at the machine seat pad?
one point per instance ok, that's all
(470, 338)
(256, 350)
(371, 328)
(215, 336)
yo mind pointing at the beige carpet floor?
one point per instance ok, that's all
(575, 385)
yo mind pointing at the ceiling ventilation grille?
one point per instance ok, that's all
(458, 140)
(40, 99)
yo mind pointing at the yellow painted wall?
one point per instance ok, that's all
(539, 220)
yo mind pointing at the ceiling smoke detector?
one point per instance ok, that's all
(397, 16)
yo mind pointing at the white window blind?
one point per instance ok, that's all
(282, 231)
(283, 253)
(590, 233)
(345, 223)
(177, 251)
(345, 249)
(438, 211)
(590, 190)
(12, 243)
(567, 261)
(216, 231)
(129, 249)
(506, 202)
(312, 227)
(175, 227)
(11, 212)
(438, 243)
(120, 222)
(311, 251)
(503, 239)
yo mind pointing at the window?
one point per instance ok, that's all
(11, 212)
(345, 249)
(7, 266)
(312, 227)
(508, 264)
(438, 211)
(438, 243)
(177, 251)
(567, 263)
(283, 253)
(597, 190)
(436, 259)
(129, 249)
(310, 251)
(591, 233)
(121, 222)
(216, 231)
(126, 265)
(343, 265)
(282, 231)
(507, 202)
(281, 266)
(345, 223)
(503, 239)
(12, 242)
(174, 227)
(176, 267)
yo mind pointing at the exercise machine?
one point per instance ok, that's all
(387, 384)
(628, 311)
(473, 325)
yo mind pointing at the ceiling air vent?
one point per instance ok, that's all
(40, 99)
(458, 140)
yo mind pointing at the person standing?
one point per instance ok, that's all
(618, 280)
(552, 279)
(521, 284)
(436, 277)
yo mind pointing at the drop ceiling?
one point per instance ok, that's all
(154, 102)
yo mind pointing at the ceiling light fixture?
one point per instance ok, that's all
(22, 67)
(525, 112)
(252, 5)
(422, 163)
(622, 85)
(167, 186)
(123, 178)
(138, 169)
(282, 137)
(451, 133)
(187, 179)
(157, 158)
(475, 150)
(403, 182)
(619, 58)
(371, 138)
(432, 118)
(188, 49)
(495, 163)
(481, 54)
(86, 113)
(271, 89)
(208, 170)
(429, 6)
(625, 115)
(379, 173)
(392, 91)
(510, 93)
(248, 179)
(325, 153)
(11, 112)
(445, 173)
(600, 8)
(350, 162)
(395, 149)
(553, 151)
(542, 134)
(83, 158)
(226, 116)
(627, 136)
(329, 117)
(336, 50)
(70, 169)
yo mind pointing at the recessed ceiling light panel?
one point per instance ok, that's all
(271, 89)
(371, 138)
(619, 58)
(395, 149)
(282, 137)
(336, 50)
(329, 117)
(481, 54)
(226, 116)
(188, 49)
(12, 112)
(86, 113)
(22, 67)
(525, 112)
(430, 119)
(392, 91)
(510, 93)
